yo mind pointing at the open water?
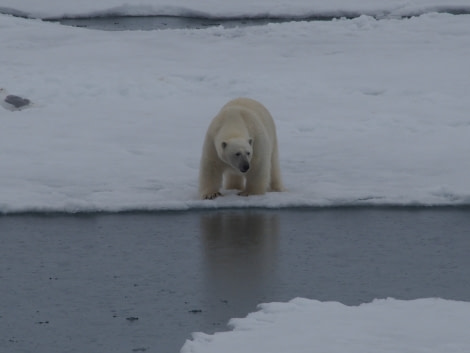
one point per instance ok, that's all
(148, 23)
(120, 23)
(135, 282)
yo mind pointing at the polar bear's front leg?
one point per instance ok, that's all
(210, 180)
(257, 181)
(234, 181)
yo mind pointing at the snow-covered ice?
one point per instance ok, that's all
(368, 112)
(306, 326)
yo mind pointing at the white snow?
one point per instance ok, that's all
(368, 112)
(308, 326)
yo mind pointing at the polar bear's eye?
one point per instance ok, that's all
(238, 154)
(248, 153)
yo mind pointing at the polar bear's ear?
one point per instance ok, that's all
(224, 144)
(250, 141)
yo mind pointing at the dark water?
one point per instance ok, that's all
(147, 23)
(119, 23)
(144, 282)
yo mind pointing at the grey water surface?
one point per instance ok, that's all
(118, 22)
(143, 282)
(149, 23)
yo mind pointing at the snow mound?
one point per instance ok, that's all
(239, 9)
(306, 326)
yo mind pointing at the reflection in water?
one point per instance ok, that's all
(240, 259)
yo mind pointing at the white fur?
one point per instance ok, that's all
(240, 149)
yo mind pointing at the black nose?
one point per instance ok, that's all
(244, 167)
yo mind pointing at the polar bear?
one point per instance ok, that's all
(240, 148)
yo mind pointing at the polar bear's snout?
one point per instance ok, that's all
(244, 166)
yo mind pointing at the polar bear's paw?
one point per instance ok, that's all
(211, 196)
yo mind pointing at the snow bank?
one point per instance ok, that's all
(306, 326)
(242, 8)
(368, 112)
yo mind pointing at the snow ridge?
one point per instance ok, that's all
(296, 10)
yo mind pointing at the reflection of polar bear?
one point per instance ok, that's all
(241, 144)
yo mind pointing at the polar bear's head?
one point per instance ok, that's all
(237, 153)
